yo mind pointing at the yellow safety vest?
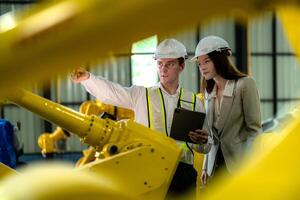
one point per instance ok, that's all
(157, 115)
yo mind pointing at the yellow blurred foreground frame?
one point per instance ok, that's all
(54, 37)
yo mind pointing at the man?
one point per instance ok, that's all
(154, 107)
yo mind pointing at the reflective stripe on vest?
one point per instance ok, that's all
(157, 114)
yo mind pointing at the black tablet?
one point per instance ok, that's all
(185, 121)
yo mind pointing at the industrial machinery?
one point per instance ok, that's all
(48, 141)
(52, 47)
(127, 151)
(95, 107)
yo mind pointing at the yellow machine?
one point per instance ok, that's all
(48, 141)
(47, 39)
(95, 107)
(128, 151)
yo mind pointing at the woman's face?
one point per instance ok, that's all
(206, 67)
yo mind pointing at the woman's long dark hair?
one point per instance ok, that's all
(224, 68)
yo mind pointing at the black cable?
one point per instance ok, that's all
(188, 146)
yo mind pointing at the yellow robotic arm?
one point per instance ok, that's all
(135, 158)
(47, 141)
(95, 107)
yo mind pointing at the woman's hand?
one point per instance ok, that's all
(204, 177)
(79, 74)
(199, 136)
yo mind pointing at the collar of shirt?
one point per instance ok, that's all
(228, 89)
(158, 85)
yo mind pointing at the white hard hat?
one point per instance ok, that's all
(210, 44)
(170, 48)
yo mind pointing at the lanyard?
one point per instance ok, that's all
(163, 108)
(164, 117)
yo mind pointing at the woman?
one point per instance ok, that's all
(232, 106)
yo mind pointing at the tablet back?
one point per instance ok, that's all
(185, 121)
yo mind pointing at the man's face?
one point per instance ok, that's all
(169, 70)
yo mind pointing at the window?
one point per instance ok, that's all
(273, 65)
(143, 66)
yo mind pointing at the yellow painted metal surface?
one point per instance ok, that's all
(51, 181)
(72, 121)
(52, 47)
(148, 158)
(88, 156)
(6, 171)
(141, 172)
(290, 16)
(96, 107)
(47, 141)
